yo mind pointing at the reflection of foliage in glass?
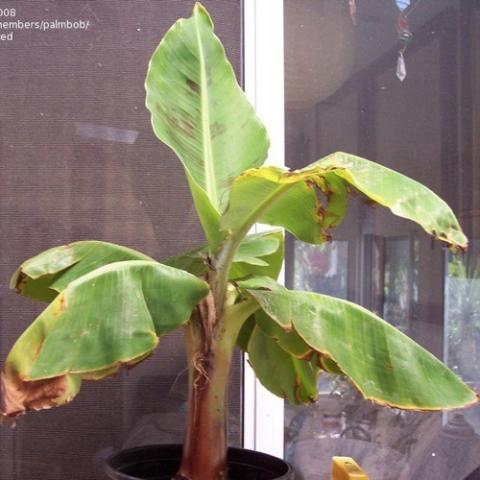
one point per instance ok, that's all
(462, 312)
(322, 268)
(397, 272)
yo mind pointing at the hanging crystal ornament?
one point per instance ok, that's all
(403, 4)
(404, 38)
(401, 67)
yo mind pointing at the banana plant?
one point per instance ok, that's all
(109, 306)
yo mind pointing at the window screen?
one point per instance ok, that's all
(78, 160)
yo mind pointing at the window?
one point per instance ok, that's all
(345, 90)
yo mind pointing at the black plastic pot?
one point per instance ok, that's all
(161, 462)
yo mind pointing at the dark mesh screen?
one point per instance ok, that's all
(79, 161)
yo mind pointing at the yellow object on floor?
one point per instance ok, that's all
(345, 468)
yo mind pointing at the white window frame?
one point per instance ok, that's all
(263, 413)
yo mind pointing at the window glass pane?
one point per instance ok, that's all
(399, 282)
(357, 81)
(322, 268)
(462, 312)
(79, 160)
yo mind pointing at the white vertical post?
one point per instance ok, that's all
(264, 86)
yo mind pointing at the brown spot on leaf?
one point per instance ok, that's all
(37, 351)
(63, 303)
(176, 121)
(321, 212)
(217, 129)
(195, 87)
(60, 304)
(327, 235)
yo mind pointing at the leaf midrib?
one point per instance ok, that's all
(208, 165)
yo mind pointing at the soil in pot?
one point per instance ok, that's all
(161, 462)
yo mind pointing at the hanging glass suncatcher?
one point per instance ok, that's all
(404, 37)
(403, 30)
(403, 4)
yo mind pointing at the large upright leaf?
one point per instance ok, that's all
(387, 366)
(200, 111)
(43, 276)
(293, 199)
(106, 318)
(207, 213)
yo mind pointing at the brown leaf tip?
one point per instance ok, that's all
(18, 396)
(21, 281)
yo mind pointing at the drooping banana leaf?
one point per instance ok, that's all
(280, 373)
(283, 363)
(245, 333)
(109, 317)
(45, 275)
(289, 341)
(194, 261)
(293, 199)
(200, 111)
(386, 366)
(330, 366)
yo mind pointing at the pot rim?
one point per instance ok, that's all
(236, 455)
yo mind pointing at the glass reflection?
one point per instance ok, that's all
(344, 92)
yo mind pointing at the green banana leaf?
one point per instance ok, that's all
(282, 361)
(255, 247)
(386, 366)
(281, 373)
(259, 254)
(45, 275)
(209, 217)
(291, 199)
(109, 317)
(289, 341)
(199, 110)
(245, 333)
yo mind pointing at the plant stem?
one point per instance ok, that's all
(222, 263)
(205, 447)
(222, 260)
